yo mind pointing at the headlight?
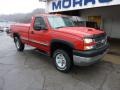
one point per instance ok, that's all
(88, 40)
(88, 43)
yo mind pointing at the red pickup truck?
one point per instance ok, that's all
(60, 38)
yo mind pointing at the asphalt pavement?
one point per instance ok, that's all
(31, 70)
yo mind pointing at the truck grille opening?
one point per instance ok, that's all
(100, 40)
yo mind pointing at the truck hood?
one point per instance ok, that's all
(80, 31)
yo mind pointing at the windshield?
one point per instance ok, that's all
(60, 22)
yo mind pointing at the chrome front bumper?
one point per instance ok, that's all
(86, 61)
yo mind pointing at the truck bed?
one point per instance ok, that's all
(20, 27)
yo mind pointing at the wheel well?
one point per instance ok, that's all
(15, 35)
(59, 45)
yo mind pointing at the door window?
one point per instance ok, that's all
(39, 23)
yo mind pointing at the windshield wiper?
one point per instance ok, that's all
(64, 26)
(71, 26)
(60, 27)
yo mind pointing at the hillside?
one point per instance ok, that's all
(22, 18)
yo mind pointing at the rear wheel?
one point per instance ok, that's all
(62, 60)
(19, 45)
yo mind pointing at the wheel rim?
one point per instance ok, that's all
(17, 44)
(60, 61)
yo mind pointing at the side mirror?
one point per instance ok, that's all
(40, 27)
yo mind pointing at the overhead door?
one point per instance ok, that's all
(115, 28)
(107, 24)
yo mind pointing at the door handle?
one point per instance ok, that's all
(32, 32)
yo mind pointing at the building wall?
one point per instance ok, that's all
(110, 18)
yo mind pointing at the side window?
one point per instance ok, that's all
(39, 23)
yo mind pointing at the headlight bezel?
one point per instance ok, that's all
(89, 43)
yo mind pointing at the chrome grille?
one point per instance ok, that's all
(100, 40)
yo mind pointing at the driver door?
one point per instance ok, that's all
(38, 35)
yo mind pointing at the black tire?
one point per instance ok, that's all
(68, 60)
(19, 45)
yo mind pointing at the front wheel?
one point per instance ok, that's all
(19, 45)
(62, 61)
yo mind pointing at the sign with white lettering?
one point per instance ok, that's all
(66, 5)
